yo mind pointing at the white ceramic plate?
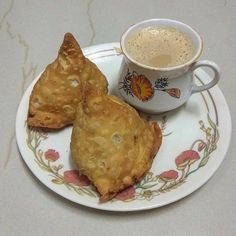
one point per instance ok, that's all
(196, 138)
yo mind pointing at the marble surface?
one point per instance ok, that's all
(30, 34)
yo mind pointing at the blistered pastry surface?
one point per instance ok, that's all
(111, 144)
(58, 91)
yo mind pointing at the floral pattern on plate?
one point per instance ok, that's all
(149, 187)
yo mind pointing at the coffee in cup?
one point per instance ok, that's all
(160, 46)
(157, 70)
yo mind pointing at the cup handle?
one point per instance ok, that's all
(215, 79)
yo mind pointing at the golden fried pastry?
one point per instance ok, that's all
(59, 89)
(111, 144)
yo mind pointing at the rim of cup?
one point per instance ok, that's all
(194, 35)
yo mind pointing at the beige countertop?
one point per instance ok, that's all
(30, 34)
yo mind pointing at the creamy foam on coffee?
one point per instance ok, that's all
(160, 46)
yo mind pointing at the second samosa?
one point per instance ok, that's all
(111, 144)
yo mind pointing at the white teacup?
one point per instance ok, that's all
(158, 89)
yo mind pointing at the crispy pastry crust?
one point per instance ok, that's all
(58, 91)
(111, 144)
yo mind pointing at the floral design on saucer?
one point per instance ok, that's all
(187, 163)
(48, 161)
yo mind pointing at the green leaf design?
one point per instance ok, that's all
(212, 124)
(146, 186)
(204, 161)
(57, 181)
(60, 166)
(43, 167)
(172, 186)
(81, 190)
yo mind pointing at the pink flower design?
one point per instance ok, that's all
(126, 194)
(51, 155)
(169, 175)
(186, 158)
(84, 181)
(74, 177)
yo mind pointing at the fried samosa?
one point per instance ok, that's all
(58, 91)
(111, 144)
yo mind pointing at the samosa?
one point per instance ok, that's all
(111, 144)
(58, 91)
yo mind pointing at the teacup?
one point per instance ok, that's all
(157, 88)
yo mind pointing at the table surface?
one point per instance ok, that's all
(30, 34)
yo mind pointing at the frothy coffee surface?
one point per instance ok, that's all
(160, 47)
